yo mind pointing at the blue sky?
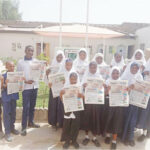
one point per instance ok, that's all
(101, 11)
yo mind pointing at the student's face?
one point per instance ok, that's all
(117, 58)
(138, 56)
(92, 69)
(10, 67)
(115, 74)
(68, 65)
(59, 58)
(29, 52)
(134, 69)
(99, 60)
(73, 80)
(82, 55)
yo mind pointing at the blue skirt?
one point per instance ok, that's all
(130, 119)
(143, 121)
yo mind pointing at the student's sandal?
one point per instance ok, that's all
(23, 132)
(8, 137)
(132, 143)
(96, 143)
(66, 145)
(85, 141)
(75, 145)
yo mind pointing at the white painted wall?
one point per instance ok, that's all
(6, 40)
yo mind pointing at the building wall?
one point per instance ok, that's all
(6, 40)
(143, 38)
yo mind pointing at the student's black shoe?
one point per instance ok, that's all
(113, 146)
(1, 135)
(75, 145)
(15, 132)
(33, 125)
(107, 140)
(97, 144)
(8, 138)
(85, 141)
(148, 134)
(132, 143)
(66, 145)
(126, 142)
(141, 138)
(23, 132)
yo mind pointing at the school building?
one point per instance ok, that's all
(45, 37)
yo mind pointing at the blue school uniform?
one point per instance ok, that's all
(9, 108)
(130, 119)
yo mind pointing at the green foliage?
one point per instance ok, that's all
(9, 10)
(43, 57)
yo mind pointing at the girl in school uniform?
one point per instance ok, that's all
(118, 61)
(113, 116)
(91, 117)
(53, 102)
(81, 62)
(71, 123)
(144, 114)
(131, 74)
(99, 59)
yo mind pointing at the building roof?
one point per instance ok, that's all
(127, 27)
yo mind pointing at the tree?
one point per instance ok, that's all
(9, 10)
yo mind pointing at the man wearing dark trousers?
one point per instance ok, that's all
(30, 90)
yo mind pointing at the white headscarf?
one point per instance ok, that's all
(65, 71)
(99, 55)
(121, 64)
(78, 63)
(67, 83)
(110, 76)
(133, 59)
(89, 74)
(127, 75)
(55, 62)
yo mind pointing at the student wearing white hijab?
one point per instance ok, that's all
(112, 116)
(81, 62)
(130, 114)
(91, 117)
(118, 61)
(144, 114)
(99, 59)
(71, 122)
(53, 102)
(139, 58)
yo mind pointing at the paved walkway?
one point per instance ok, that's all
(47, 138)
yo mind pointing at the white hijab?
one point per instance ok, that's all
(99, 55)
(121, 64)
(127, 75)
(68, 80)
(65, 71)
(133, 59)
(89, 74)
(80, 62)
(110, 76)
(55, 62)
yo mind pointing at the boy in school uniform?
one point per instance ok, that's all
(30, 90)
(9, 106)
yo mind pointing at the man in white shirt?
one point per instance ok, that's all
(30, 90)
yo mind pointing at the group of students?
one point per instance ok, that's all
(8, 101)
(111, 122)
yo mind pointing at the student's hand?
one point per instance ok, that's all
(85, 85)
(146, 72)
(62, 92)
(50, 85)
(29, 82)
(80, 95)
(48, 72)
(131, 87)
(6, 81)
